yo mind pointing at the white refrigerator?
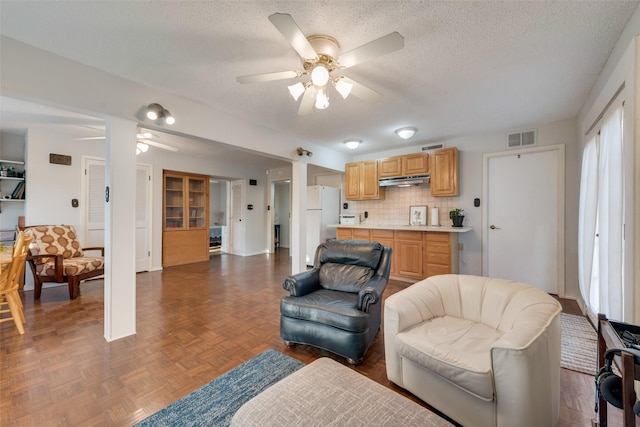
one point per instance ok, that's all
(323, 208)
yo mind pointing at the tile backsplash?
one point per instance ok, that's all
(394, 209)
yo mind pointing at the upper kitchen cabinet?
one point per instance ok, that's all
(361, 181)
(444, 172)
(406, 165)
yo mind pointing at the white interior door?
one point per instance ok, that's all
(523, 223)
(95, 208)
(143, 218)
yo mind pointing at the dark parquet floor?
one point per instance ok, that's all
(194, 323)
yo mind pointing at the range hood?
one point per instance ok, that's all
(404, 181)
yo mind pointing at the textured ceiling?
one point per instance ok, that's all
(467, 67)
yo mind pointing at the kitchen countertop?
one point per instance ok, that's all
(441, 229)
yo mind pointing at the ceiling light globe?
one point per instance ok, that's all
(406, 133)
(352, 144)
(322, 101)
(169, 120)
(152, 115)
(320, 75)
(296, 90)
(343, 87)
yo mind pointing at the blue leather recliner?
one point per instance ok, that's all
(337, 305)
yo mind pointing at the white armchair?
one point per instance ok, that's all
(485, 352)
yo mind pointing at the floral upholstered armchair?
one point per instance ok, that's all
(55, 255)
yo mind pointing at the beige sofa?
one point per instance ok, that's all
(485, 352)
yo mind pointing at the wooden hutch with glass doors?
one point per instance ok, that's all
(185, 218)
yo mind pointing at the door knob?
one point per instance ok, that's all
(493, 227)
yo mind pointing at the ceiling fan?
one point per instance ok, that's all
(143, 141)
(320, 55)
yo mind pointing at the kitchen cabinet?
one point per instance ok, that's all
(385, 238)
(344, 234)
(353, 234)
(408, 248)
(405, 165)
(361, 181)
(444, 172)
(185, 236)
(416, 254)
(440, 253)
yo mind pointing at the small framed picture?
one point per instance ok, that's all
(418, 215)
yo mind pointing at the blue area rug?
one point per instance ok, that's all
(215, 404)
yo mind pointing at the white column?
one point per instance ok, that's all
(298, 220)
(120, 271)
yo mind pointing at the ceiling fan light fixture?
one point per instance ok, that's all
(352, 144)
(406, 133)
(141, 146)
(320, 75)
(296, 90)
(343, 87)
(322, 101)
(153, 111)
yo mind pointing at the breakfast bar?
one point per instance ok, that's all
(418, 251)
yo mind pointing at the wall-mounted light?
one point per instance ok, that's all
(353, 143)
(406, 133)
(301, 152)
(168, 118)
(158, 112)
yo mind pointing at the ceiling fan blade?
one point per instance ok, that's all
(363, 92)
(306, 105)
(267, 77)
(158, 144)
(382, 46)
(290, 30)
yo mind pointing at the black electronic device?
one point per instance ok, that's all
(608, 384)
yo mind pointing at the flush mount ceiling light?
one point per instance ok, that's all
(352, 144)
(158, 112)
(406, 133)
(320, 56)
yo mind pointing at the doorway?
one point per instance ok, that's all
(523, 220)
(218, 211)
(282, 213)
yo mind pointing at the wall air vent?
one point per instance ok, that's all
(526, 138)
(433, 147)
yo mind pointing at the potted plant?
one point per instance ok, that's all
(457, 216)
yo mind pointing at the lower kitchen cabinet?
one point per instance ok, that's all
(385, 238)
(415, 254)
(408, 246)
(440, 253)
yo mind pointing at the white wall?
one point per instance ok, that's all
(471, 151)
(51, 187)
(256, 218)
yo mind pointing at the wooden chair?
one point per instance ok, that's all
(10, 301)
(56, 256)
